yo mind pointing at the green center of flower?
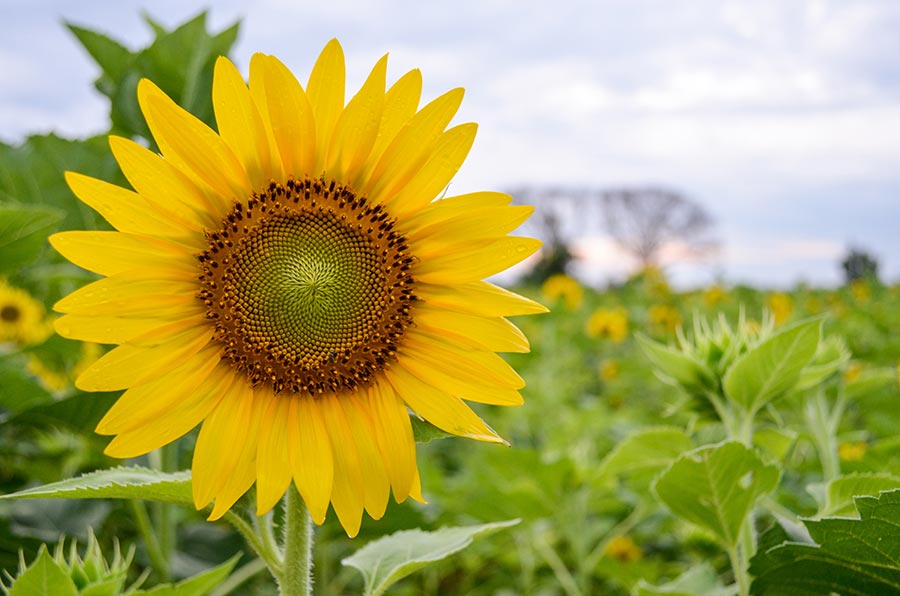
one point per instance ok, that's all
(309, 288)
(10, 313)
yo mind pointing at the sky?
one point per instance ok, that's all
(781, 118)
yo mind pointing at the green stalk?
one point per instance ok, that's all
(740, 571)
(158, 562)
(295, 578)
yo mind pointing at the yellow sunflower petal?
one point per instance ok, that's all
(218, 449)
(461, 387)
(241, 125)
(494, 334)
(104, 329)
(439, 408)
(449, 209)
(475, 260)
(475, 365)
(273, 458)
(326, 94)
(376, 485)
(167, 189)
(492, 222)
(479, 298)
(356, 128)
(171, 418)
(129, 365)
(394, 435)
(448, 155)
(192, 145)
(125, 210)
(112, 296)
(291, 116)
(143, 402)
(109, 253)
(411, 147)
(312, 462)
(348, 494)
(244, 472)
(400, 104)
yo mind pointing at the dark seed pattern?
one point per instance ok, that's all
(309, 288)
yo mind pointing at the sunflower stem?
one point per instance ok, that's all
(295, 578)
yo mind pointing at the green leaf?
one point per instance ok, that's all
(849, 557)
(80, 412)
(829, 359)
(425, 432)
(387, 560)
(20, 391)
(716, 487)
(199, 585)
(23, 234)
(112, 57)
(841, 491)
(44, 577)
(674, 366)
(642, 454)
(700, 580)
(870, 381)
(775, 442)
(773, 367)
(117, 483)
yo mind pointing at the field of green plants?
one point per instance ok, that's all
(726, 440)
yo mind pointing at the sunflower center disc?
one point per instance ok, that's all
(9, 313)
(309, 287)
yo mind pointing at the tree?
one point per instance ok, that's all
(643, 221)
(859, 264)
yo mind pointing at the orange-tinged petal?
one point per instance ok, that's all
(439, 408)
(446, 158)
(273, 459)
(191, 145)
(326, 94)
(292, 118)
(312, 461)
(357, 127)
(241, 126)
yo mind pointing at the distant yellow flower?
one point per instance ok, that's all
(22, 318)
(54, 379)
(860, 290)
(852, 451)
(655, 281)
(664, 317)
(781, 306)
(561, 286)
(713, 295)
(624, 549)
(608, 324)
(609, 370)
(291, 283)
(853, 371)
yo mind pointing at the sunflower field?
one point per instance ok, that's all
(632, 440)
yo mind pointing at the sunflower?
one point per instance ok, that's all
(291, 283)
(22, 317)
